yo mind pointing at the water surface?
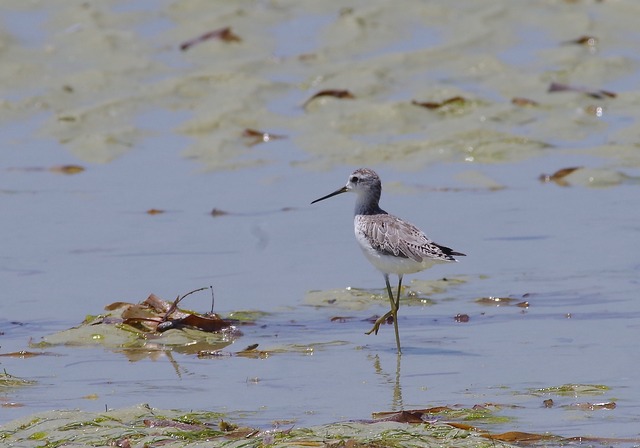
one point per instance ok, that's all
(157, 128)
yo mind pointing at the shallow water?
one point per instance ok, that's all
(156, 128)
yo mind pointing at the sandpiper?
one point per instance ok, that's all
(392, 245)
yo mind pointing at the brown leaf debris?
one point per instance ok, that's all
(255, 137)
(223, 34)
(597, 94)
(457, 100)
(559, 176)
(335, 93)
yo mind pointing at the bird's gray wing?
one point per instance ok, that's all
(390, 235)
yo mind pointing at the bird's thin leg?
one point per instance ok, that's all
(383, 319)
(379, 321)
(395, 307)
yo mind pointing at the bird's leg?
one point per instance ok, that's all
(395, 307)
(383, 319)
(379, 321)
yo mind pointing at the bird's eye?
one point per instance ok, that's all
(354, 179)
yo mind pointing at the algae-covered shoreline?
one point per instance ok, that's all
(141, 425)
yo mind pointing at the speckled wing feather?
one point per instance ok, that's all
(390, 235)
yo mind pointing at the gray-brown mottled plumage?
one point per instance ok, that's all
(392, 236)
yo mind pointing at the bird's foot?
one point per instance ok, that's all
(379, 321)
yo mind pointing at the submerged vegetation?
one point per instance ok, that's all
(145, 427)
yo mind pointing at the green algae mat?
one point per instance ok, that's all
(142, 426)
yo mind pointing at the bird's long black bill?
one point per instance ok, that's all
(335, 193)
